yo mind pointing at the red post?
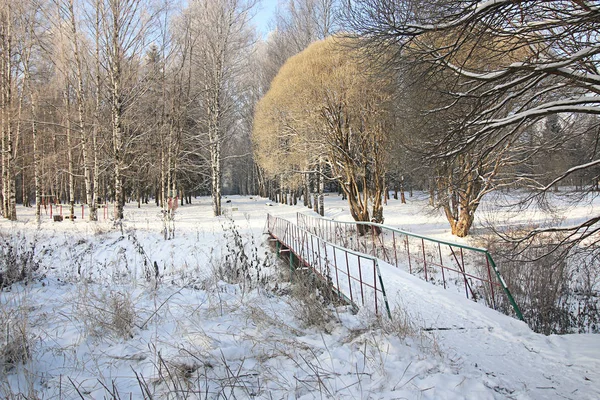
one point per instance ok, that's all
(349, 280)
(424, 259)
(50, 210)
(362, 293)
(442, 265)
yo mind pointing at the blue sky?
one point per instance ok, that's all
(264, 11)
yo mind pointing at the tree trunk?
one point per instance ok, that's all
(80, 111)
(321, 181)
(71, 172)
(36, 160)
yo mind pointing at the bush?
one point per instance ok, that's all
(556, 288)
(241, 263)
(17, 262)
(110, 313)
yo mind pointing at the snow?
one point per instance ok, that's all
(195, 336)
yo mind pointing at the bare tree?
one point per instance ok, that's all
(554, 68)
(221, 34)
(8, 103)
(124, 27)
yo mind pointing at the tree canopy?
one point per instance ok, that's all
(327, 105)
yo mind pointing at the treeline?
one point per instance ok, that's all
(133, 100)
(121, 100)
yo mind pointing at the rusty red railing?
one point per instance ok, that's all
(354, 276)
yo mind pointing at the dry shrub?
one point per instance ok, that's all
(109, 313)
(16, 260)
(556, 289)
(16, 343)
(241, 263)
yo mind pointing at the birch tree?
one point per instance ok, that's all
(124, 27)
(221, 35)
(8, 105)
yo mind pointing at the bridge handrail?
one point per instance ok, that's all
(359, 255)
(484, 251)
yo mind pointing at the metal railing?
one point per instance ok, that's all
(353, 276)
(436, 261)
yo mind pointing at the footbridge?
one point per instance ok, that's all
(347, 256)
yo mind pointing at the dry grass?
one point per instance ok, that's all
(109, 313)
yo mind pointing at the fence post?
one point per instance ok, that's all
(442, 264)
(375, 284)
(373, 237)
(424, 259)
(337, 278)
(505, 287)
(395, 251)
(360, 280)
(408, 253)
(385, 300)
(491, 284)
(349, 280)
(462, 263)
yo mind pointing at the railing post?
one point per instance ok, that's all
(337, 278)
(362, 293)
(291, 265)
(442, 264)
(395, 251)
(424, 259)
(312, 249)
(408, 253)
(505, 287)
(491, 284)
(319, 255)
(375, 284)
(349, 279)
(373, 237)
(462, 263)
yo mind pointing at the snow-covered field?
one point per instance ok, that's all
(100, 321)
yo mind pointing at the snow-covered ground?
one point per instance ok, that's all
(100, 322)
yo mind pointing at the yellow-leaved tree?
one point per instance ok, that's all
(328, 106)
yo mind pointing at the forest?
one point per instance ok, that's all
(133, 101)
